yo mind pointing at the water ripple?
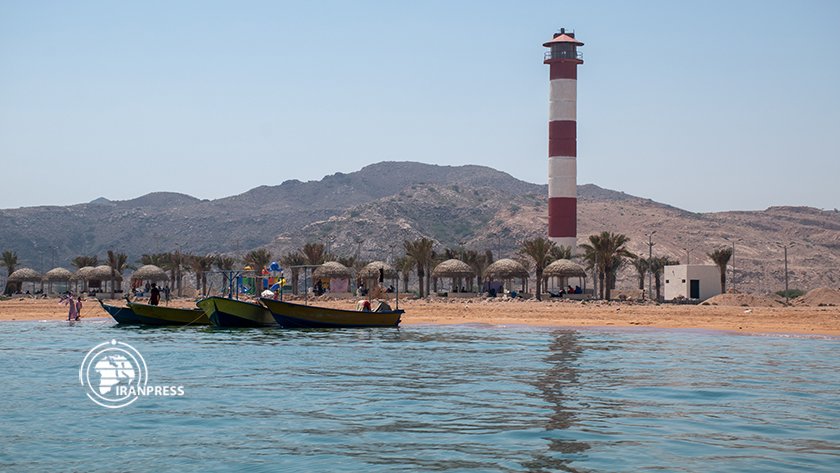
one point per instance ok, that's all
(425, 399)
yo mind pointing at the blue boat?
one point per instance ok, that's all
(291, 315)
(123, 315)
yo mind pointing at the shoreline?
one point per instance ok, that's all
(501, 326)
(794, 320)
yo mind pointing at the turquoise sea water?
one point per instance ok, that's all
(425, 398)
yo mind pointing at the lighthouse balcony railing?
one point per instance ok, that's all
(563, 55)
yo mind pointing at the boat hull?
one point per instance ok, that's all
(123, 315)
(304, 316)
(233, 313)
(162, 315)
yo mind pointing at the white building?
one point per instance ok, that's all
(691, 281)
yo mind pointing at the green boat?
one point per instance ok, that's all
(162, 315)
(234, 313)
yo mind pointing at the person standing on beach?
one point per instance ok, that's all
(155, 295)
(167, 294)
(79, 307)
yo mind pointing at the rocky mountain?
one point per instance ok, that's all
(370, 212)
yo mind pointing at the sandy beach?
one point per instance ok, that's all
(795, 320)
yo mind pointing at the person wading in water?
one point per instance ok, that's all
(73, 312)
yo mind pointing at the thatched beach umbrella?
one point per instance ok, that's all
(82, 274)
(25, 275)
(150, 272)
(102, 273)
(57, 275)
(564, 269)
(371, 271)
(333, 270)
(454, 269)
(507, 269)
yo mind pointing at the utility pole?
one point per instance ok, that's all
(359, 242)
(787, 294)
(650, 257)
(786, 246)
(391, 258)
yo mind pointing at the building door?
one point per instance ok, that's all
(694, 289)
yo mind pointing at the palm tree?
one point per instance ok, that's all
(291, 260)
(10, 261)
(314, 253)
(420, 251)
(117, 262)
(225, 263)
(431, 281)
(258, 259)
(349, 261)
(81, 261)
(201, 265)
(605, 252)
(539, 250)
(174, 263)
(481, 265)
(590, 257)
(721, 258)
(471, 257)
(453, 253)
(615, 266)
(656, 266)
(157, 259)
(561, 252)
(404, 265)
(642, 265)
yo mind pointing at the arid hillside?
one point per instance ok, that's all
(368, 213)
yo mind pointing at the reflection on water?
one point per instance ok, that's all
(425, 398)
(557, 387)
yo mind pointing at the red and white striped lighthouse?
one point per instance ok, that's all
(563, 59)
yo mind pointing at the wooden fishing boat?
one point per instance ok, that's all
(123, 315)
(292, 315)
(163, 315)
(234, 313)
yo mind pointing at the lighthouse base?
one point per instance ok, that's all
(570, 242)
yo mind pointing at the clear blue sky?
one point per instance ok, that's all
(713, 105)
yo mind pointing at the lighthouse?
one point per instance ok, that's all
(562, 59)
